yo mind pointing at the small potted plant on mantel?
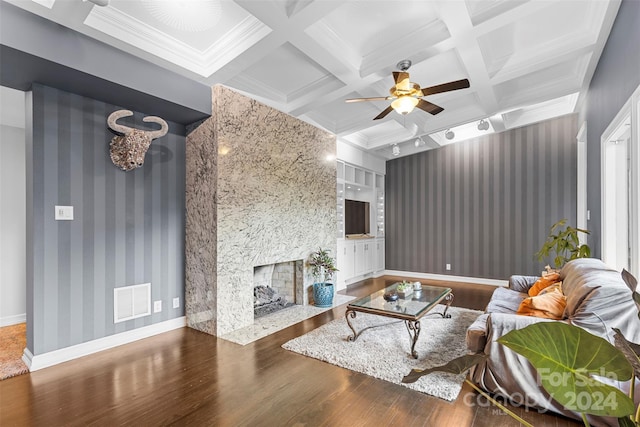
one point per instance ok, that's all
(322, 269)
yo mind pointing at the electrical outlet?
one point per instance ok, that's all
(448, 266)
(176, 302)
(157, 306)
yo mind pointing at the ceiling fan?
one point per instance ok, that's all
(407, 95)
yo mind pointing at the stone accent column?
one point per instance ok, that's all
(201, 242)
(260, 190)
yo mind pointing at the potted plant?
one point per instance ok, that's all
(563, 244)
(404, 289)
(322, 268)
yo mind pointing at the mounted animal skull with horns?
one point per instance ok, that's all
(128, 150)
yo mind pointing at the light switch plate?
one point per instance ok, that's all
(176, 302)
(64, 213)
(157, 306)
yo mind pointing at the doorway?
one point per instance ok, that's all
(620, 159)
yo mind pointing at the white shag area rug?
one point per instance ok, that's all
(384, 352)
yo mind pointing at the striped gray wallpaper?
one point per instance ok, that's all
(484, 205)
(128, 227)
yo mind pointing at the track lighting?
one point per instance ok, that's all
(483, 125)
(395, 150)
(419, 142)
(449, 134)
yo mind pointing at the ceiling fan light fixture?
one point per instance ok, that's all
(449, 134)
(405, 104)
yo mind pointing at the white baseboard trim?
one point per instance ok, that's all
(463, 279)
(371, 275)
(13, 320)
(51, 358)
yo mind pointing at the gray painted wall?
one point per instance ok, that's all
(128, 227)
(616, 77)
(484, 205)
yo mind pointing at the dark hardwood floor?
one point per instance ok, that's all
(186, 377)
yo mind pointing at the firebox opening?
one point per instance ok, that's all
(276, 286)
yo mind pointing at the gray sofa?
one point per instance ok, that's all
(597, 301)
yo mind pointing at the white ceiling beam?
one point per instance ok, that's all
(456, 17)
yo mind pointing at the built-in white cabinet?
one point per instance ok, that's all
(358, 259)
(362, 254)
(363, 264)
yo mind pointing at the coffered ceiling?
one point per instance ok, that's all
(526, 60)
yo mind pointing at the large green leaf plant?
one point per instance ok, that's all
(568, 360)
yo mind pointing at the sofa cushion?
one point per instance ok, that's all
(543, 283)
(505, 301)
(598, 299)
(549, 304)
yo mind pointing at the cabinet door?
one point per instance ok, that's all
(348, 260)
(359, 259)
(369, 254)
(379, 255)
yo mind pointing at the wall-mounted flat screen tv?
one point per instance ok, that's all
(356, 217)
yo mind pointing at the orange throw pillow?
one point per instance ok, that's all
(549, 305)
(543, 282)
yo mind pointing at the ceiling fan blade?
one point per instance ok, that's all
(445, 87)
(402, 80)
(377, 98)
(384, 113)
(429, 107)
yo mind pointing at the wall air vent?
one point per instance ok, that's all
(131, 302)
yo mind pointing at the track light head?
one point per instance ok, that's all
(483, 125)
(449, 134)
(395, 150)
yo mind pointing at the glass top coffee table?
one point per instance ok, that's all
(410, 308)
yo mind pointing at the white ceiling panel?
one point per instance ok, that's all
(550, 83)
(553, 31)
(483, 10)
(359, 23)
(300, 75)
(524, 59)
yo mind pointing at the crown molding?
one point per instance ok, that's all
(132, 31)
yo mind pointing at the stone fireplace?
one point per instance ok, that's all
(259, 191)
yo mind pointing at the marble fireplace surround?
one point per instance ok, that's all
(259, 190)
